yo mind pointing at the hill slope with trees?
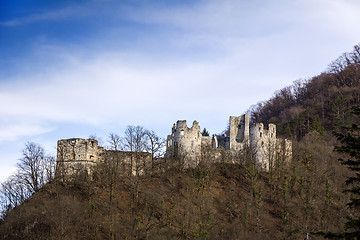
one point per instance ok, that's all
(321, 103)
(230, 199)
(213, 201)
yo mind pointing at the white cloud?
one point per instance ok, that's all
(14, 128)
(237, 67)
(105, 88)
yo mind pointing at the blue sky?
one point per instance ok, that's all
(75, 68)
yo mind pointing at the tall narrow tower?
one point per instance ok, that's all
(239, 131)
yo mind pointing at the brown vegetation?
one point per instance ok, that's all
(321, 103)
(212, 201)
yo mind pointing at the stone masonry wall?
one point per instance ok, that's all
(185, 143)
(264, 143)
(76, 154)
(188, 144)
(239, 132)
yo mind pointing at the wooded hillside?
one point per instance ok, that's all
(216, 201)
(321, 103)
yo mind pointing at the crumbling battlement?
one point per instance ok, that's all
(239, 132)
(77, 154)
(184, 141)
(188, 145)
(185, 144)
(79, 150)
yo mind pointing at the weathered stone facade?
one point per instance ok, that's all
(188, 145)
(76, 154)
(184, 143)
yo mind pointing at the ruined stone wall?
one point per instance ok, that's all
(206, 141)
(187, 143)
(77, 149)
(239, 132)
(129, 162)
(263, 143)
(214, 142)
(75, 155)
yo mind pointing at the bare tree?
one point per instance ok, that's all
(135, 141)
(135, 138)
(99, 139)
(35, 168)
(155, 146)
(115, 142)
(13, 192)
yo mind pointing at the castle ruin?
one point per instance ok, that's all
(77, 154)
(184, 144)
(188, 145)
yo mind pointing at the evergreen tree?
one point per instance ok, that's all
(350, 139)
(316, 125)
(205, 132)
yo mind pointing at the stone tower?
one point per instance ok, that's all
(77, 154)
(189, 146)
(239, 132)
(185, 143)
(264, 144)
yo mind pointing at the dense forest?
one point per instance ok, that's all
(322, 103)
(230, 199)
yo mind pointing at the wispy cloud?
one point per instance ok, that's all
(50, 15)
(125, 89)
(12, 131)
(82, 89)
